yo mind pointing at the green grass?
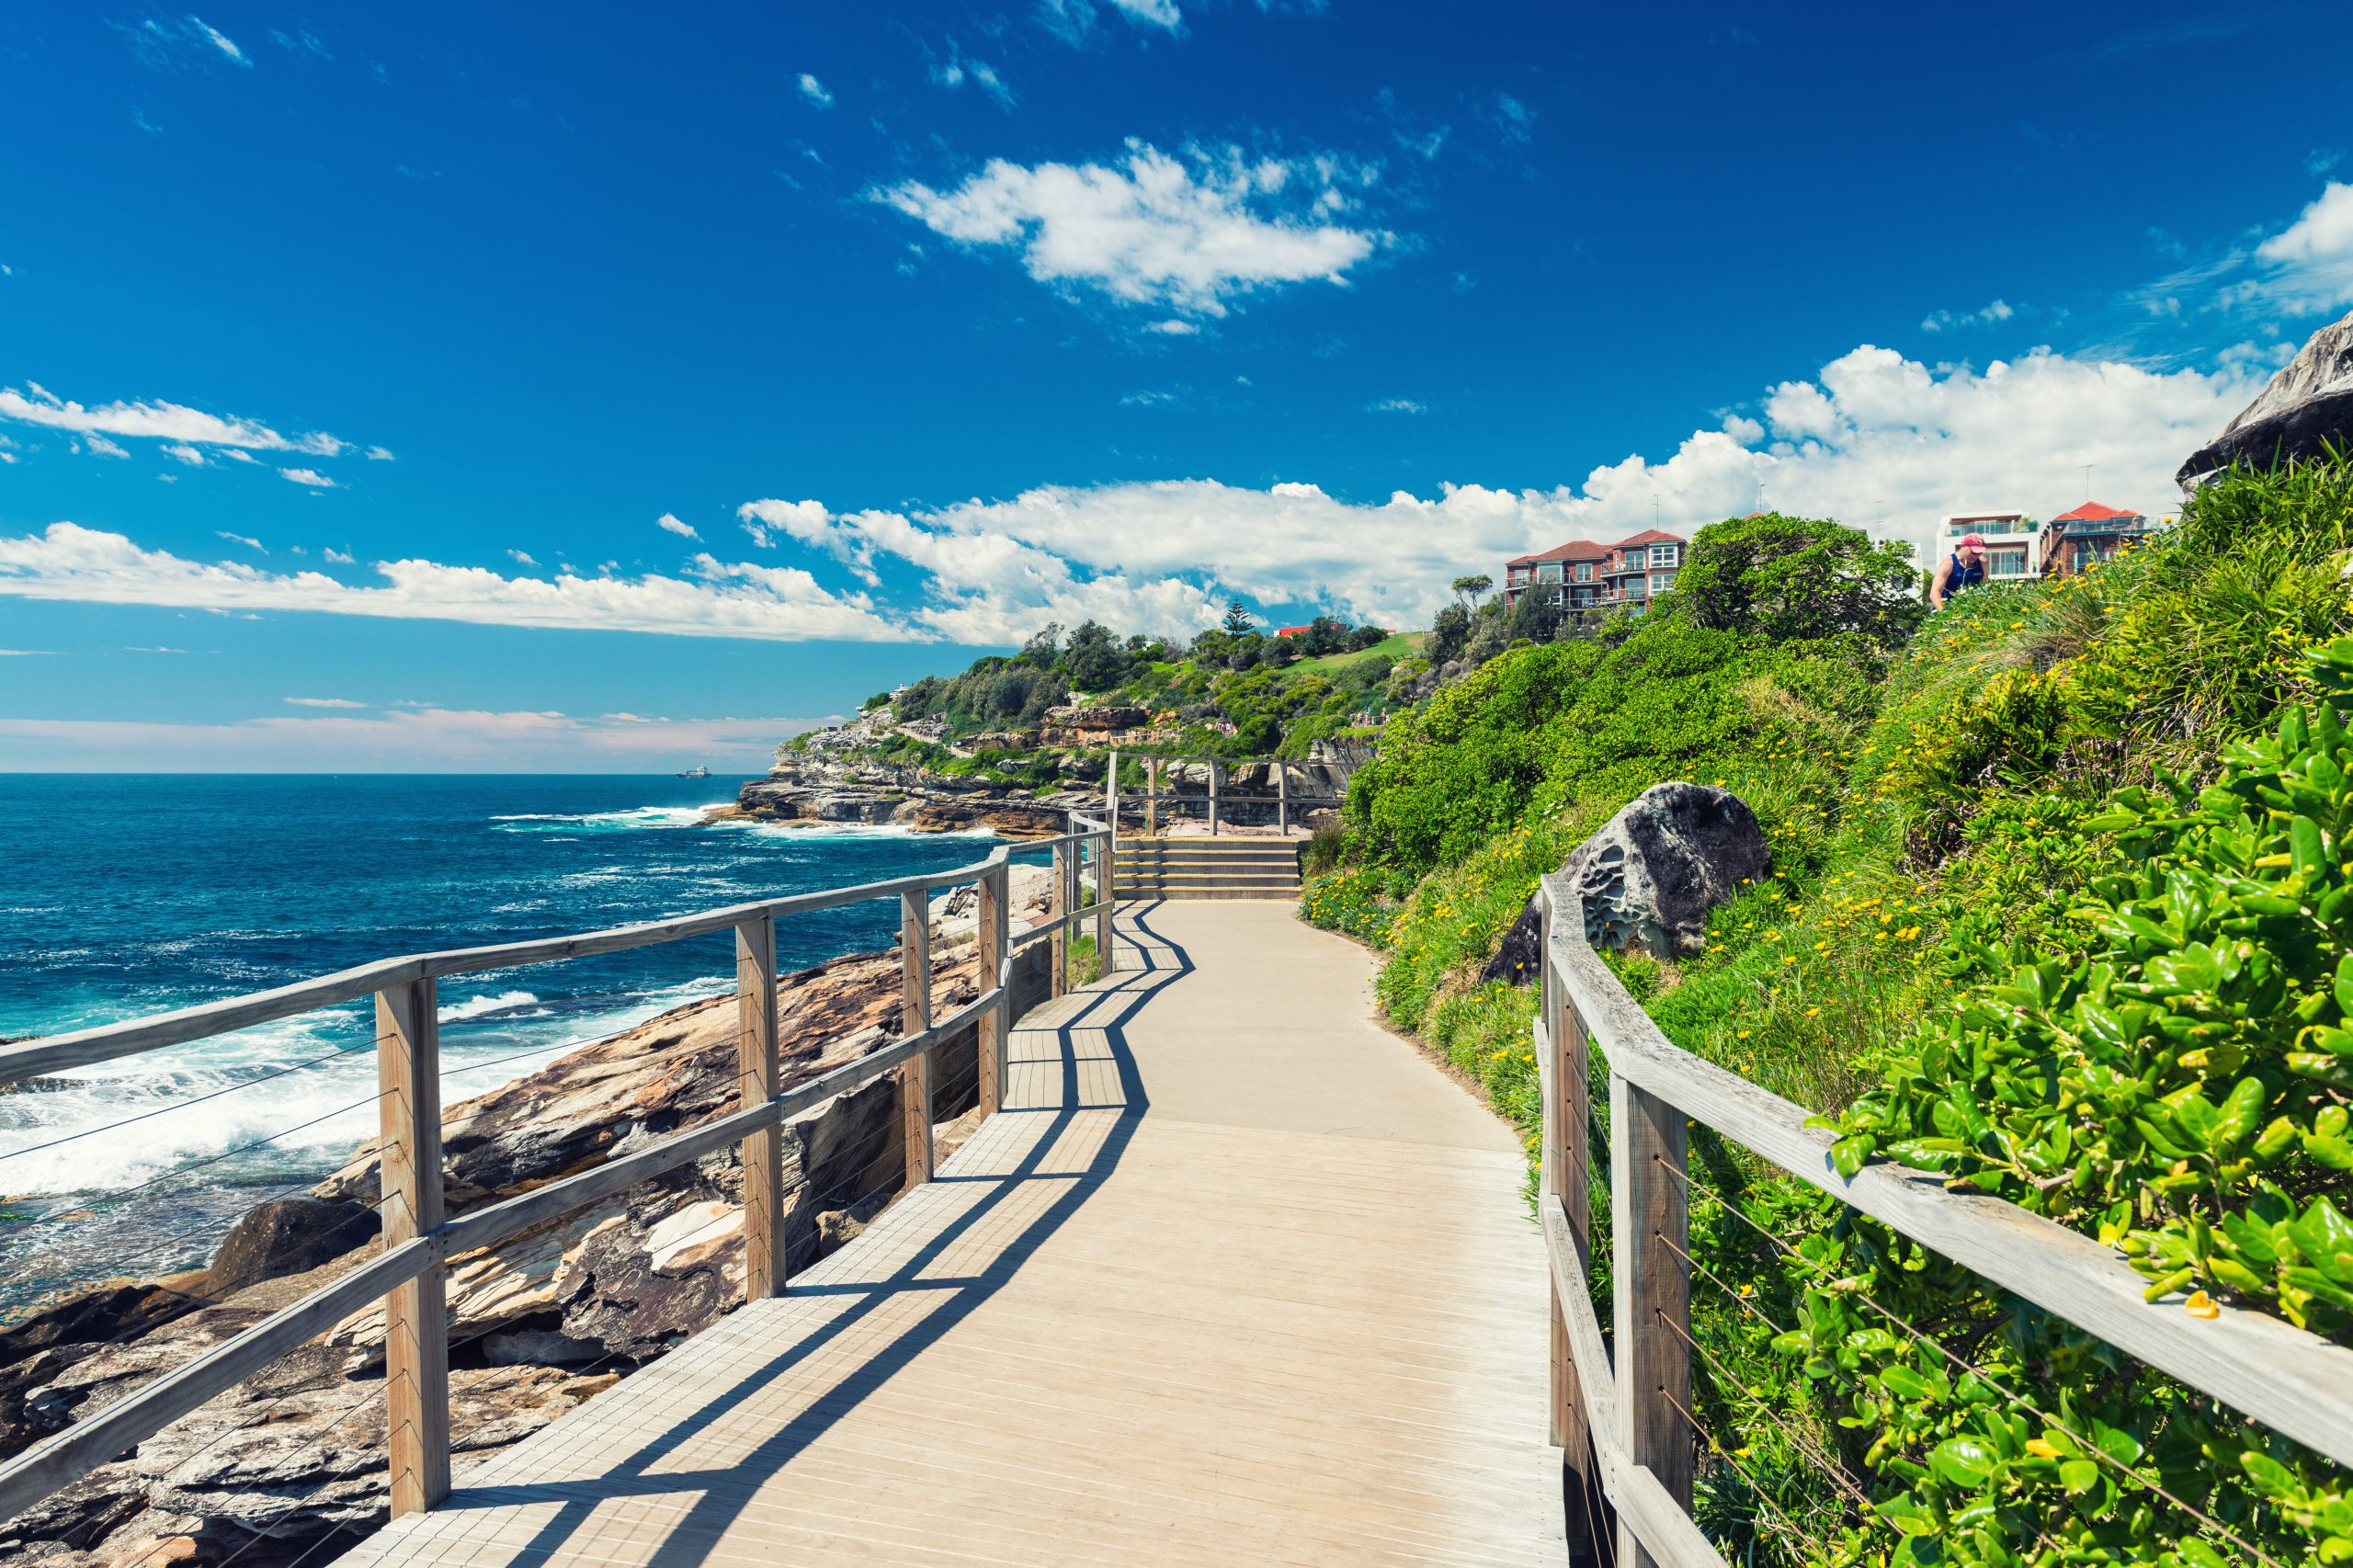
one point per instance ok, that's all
(1403, 645)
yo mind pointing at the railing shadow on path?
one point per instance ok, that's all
(1105, 1010)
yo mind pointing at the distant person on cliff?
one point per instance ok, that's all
(1964, 568)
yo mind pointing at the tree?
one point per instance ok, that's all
(1798, 577)
(1097, 662)
(1448, 633)
(1046, 648)
(1237, 620)
(1472, 587)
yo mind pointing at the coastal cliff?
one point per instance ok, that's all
(268, 1470)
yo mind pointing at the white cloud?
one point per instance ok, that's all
(1158, 229)
(1173, 327)
(804, 520)
(1871, 438)
(814, 91)
(405, 740)
(1955, 321)
(185, 454)
(220, 40)
(715, 599)
(379, 455)
(520, 558)
(2312, 259)
(1147, 399)
(1152, 13)
(98, 446)
(960, 68)
(336, 556)
(309, 476)
(26, 652)
(1514, 119)
(158, 420)
(249, 543)
(671, 524)
(324, 702)
(1398, 405)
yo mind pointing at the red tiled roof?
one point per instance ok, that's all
(2092, 512)
(1293, 630)
(1648, 536)
(1575, 550)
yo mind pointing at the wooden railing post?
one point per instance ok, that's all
(1282, 796)
(1105, 863)
(915, 1016)
(756, 1078)
(1058, 911)
(1217, 772)
(1152, 797)
(1650, 1228)
(417, 1320)
(996, 1024)
(1111, 796)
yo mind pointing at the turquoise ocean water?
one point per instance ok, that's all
(124, 895)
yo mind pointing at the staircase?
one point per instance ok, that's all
(1208, 868)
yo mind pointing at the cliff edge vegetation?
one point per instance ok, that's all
(2059, 908)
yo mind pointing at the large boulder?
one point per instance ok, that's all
(1649, 877)
(2309, 402)
(287, 1235)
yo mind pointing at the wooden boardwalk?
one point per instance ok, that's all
(1235, 1278)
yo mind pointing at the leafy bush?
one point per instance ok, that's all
(1796, 579)
(1348, 901)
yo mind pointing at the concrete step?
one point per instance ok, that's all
(1270, 895)
(1185, 889)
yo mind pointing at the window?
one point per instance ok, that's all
(1662, 581)
(2006, 562)
(1662, 555)
(1548, 571)
(1585, 571)
(1633, 589)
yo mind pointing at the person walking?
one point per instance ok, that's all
(1964, 568)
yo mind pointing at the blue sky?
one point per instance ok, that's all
(493, 387)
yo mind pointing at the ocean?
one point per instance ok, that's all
(127, 896)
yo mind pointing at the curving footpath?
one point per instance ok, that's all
(1235, 1278)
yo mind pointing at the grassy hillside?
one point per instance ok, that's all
(1226, 693)
(2060, 908)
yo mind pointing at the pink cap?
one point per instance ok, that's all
(1972, 542)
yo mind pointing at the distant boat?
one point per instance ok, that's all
(697, 772)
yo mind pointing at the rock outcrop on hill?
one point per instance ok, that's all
(271, 1467)
(2308, 406)
(1649, 877)
(819, 790)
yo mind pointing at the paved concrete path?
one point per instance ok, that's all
(1235, 1278)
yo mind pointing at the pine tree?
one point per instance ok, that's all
(1237, 620)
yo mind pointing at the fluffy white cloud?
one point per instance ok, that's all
(337, 556)
(814, 91)
(324, 702)
(309, 476)
(220, 40)
(35, 405)
(1173, 327)
(2312, 259)
(1954, 320)
(1155, 230)
(99, 446)
(1871, 438)
(249, 542)
(669, 524)
(717, 600)
(400, 740)
(185, 454)
(1399, 406)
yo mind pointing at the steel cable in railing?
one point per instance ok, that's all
(2091, 1447)
(1794, 1534)
(183, 1105)
(1805, 1444)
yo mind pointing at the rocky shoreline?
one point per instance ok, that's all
(268, 1470)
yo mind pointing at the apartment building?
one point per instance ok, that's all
(1581, 574)
(2013, 551)
(2089, 535)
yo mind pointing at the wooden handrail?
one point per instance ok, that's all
(409, 1275)
(2296, 1383)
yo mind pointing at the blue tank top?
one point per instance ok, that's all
(1961, 577)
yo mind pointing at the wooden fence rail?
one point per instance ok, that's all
(1615, 1406)
(409, 1276)
(1214, 798)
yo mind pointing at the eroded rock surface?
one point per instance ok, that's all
(2307, 406)
(1649, 877)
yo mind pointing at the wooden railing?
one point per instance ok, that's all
(1620, 1407)
(419, 1238)
(1212, 801)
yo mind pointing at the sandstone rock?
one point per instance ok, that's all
(2309, 402)
(1649, 877)
(286, 1236)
